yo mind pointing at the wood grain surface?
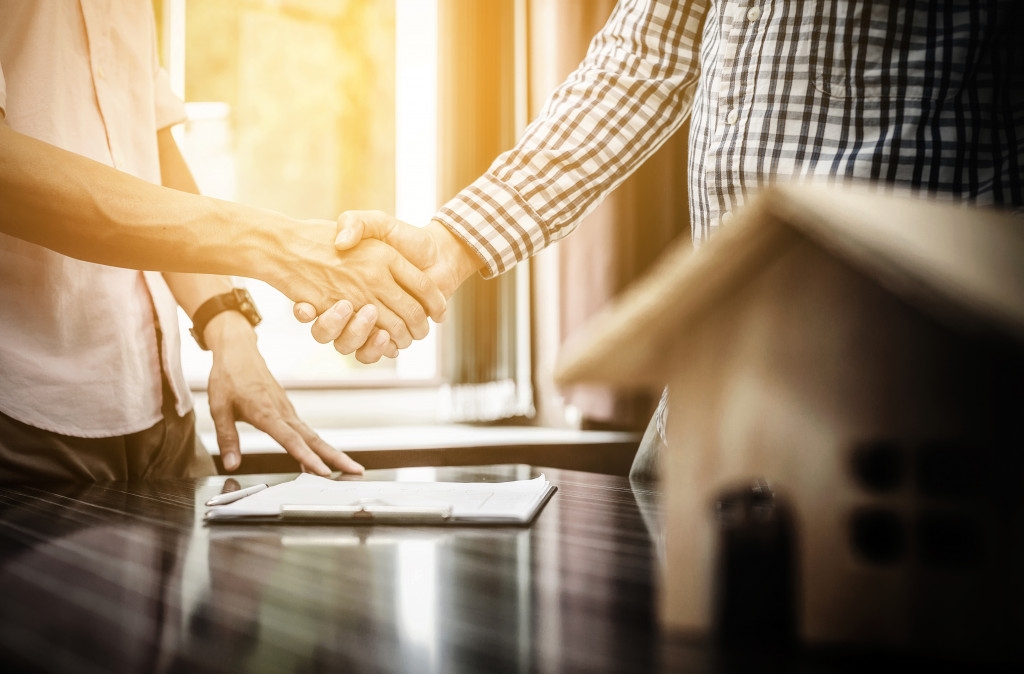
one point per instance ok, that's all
(127, 578)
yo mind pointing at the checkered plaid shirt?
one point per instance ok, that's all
(923, 94)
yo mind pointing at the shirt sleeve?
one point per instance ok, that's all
(170, 109)
(632, 91)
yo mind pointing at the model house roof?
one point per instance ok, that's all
(963, 265)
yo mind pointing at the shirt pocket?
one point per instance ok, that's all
(894, 49)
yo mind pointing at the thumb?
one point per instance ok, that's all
(412, 243)
(351, 230)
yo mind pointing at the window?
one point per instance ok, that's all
(314, 107)
(310, 108)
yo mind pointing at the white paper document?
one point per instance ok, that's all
(310, 497)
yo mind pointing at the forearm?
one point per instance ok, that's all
(191, 290)
(628, 96)
(84, 209)
(458, 259)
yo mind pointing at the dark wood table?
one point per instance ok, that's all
(125, 577)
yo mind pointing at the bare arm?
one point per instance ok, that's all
(241, 387)
(84, 209)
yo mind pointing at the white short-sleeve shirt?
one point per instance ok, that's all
(79, 351)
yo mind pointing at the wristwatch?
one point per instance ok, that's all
(238, 300)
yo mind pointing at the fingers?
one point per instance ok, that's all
(420, 286)
(313, 454)
(227, 435)
(337, 460)
(292, 440)
(358, 330)
(354, 333)
(349, 332)
(398, 327)
(227, 438)
(371, 352)
(332, 322)
(304, 312)
(407, 302)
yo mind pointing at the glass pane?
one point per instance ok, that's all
(301, 106)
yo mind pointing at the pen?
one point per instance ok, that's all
(232, 496)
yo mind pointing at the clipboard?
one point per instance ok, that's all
(310, 499)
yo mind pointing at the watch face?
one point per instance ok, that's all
(247, 306)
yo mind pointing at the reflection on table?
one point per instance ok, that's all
(127, 577)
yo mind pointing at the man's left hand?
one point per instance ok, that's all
(243, 389)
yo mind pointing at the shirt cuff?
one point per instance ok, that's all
(170, 109)
(496, 222)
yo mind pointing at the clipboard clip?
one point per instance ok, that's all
(368, 514)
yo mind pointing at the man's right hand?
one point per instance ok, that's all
(371, 274)
(435, 250)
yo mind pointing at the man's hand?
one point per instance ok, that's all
(441, 255)
(371, 273)
(348, 329)
(243, 389)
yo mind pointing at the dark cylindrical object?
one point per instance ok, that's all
(755, 583)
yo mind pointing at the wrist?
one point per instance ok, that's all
(293, 253)
(270, 246)
(228, 327)
(222, 312)
(460, 258)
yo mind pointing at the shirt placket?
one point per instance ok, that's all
(103, 67)
(735, 89)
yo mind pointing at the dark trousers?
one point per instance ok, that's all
(168, 449)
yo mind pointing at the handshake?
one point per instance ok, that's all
(372, 290)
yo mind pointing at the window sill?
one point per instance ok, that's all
(450, 445)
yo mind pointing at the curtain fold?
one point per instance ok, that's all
(478, 62)
(618, 241)
(477, 121)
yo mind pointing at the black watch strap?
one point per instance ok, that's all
(238, 300)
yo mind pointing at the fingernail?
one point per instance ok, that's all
(342, 310)
(230, 461)
(440, 319)
(344, 237)
(368, 313)
(305, 313)
(381, 339)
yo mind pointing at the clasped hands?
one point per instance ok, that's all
(396, 275)
(417, 270)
